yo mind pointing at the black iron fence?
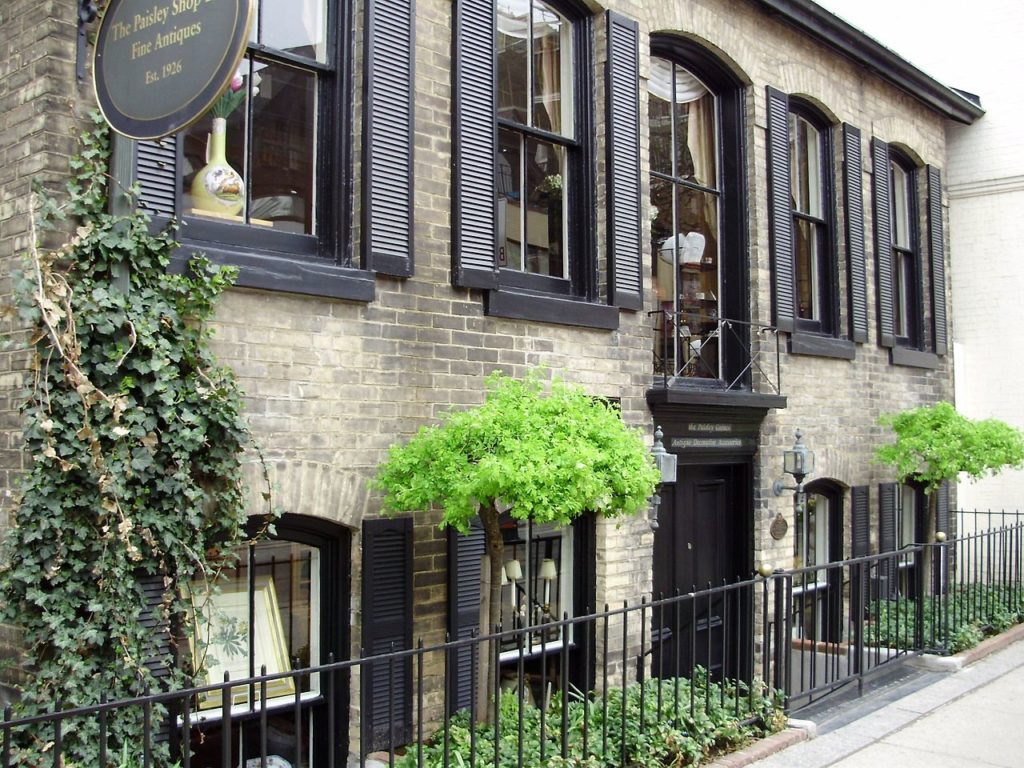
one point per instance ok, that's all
(698, 671)
(835, 624)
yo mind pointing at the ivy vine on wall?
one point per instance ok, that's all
(136, 439)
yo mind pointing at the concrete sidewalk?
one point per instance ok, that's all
(972, 718)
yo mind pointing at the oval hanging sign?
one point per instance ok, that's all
(159, 65)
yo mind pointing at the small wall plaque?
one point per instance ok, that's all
(779, 527)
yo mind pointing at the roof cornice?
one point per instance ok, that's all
(867, 52)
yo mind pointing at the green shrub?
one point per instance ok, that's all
(664, 731)
(953, 622)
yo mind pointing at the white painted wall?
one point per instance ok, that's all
(985, 177)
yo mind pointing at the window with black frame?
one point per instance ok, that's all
(270, 614)
(906, 270)
(253, 158)
(686, 200)
(810, 180)
(523, 179)
(536, 582)
(811, 548)
(907, 505)
(536, 163)
(910, 256)
(696, 115)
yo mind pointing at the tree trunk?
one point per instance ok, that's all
(494, 546)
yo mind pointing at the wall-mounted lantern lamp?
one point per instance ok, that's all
(667, 465)
(798, 461)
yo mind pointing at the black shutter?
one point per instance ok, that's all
(474, 137)
(387, 626)
(156, 174)
(860, 521)
(388, 136)
(887, 517)
(942, 520)
(154, 618)
(853, 187)
(938, 255)
(860, 545)
(887, 569)
(780, 207)
(464, 553)
(881, 174)
(623, 159)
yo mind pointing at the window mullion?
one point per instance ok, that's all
(249, 132)
(277, 56)
(538, 133)
(676, 304)
(673, 129)
(529, 68)
(251, 579)
(685, 183)
(524, 235)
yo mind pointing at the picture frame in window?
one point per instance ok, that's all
(220, 642)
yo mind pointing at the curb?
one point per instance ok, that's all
(993, 644)
(986, 647)
(761, 748)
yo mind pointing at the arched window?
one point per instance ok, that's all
(281, 608)
(813, 242)
(817, 541)
(698, 211)
(910, 260)
(906, 258)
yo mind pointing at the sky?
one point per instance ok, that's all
(948, 39)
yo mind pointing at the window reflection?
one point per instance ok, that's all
(266, 125)
(277, 163)
(811, 243)
(262, 614)
(904, 260)
(685, 224)
(536, 580)
(259, 614)
(296, 26)
(906, 536)
(534, 56)
(813, 602)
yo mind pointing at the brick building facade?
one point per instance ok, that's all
(812, 296)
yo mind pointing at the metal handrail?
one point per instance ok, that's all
(725, 329)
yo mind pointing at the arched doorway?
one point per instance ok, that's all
(817, 541)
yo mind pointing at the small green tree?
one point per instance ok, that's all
(552, 454)
(936, 443)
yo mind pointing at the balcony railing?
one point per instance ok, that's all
(713, 351)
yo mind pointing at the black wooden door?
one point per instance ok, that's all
(700, 542)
